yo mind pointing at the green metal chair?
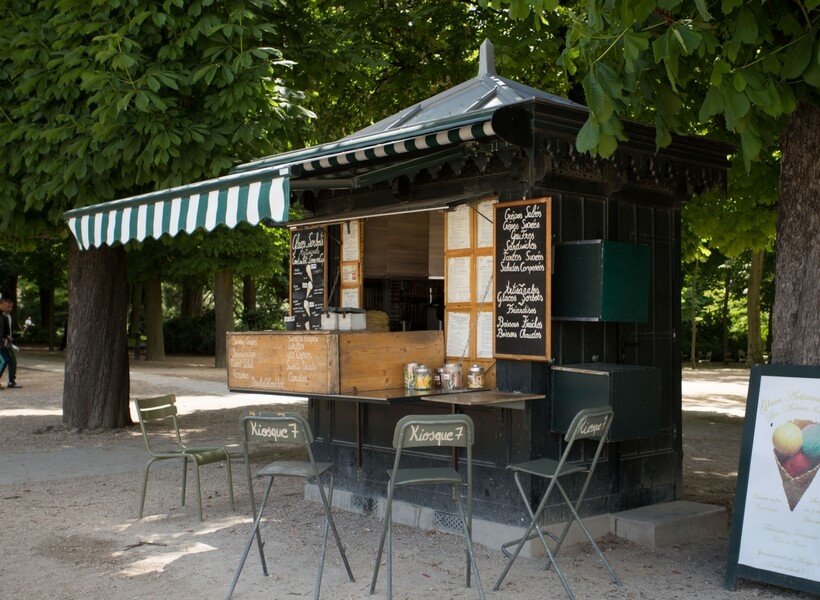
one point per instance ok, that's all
(590, 423)
(415, 431)
(164, 407)
(287, 429)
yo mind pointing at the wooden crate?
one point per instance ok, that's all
(375, 360)
(286, 361)
(319, 362)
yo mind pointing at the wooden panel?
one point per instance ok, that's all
(284, 361)
(435, 257)
(374, 361)
(374, 263)
(408, 245)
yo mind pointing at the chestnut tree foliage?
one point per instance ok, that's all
(746, 70)
(103, 99)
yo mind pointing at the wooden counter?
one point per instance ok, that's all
(327, 362)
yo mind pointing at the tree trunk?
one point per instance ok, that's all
(191, 301)
(223, 307)
(753, 317)
(796, 319)
(724, 310)
(96, 384)
(693, 346)
(155, 349)
(47, 315)
(248, 292)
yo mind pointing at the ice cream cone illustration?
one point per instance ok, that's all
(797, 454)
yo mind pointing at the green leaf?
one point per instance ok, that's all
(704, 12)
(141, 101)
(712, 104)
(812, 75)
(719, 69)
(757, 92)
(598, 102)
(634, 45)
(751, 144)
(746, 26)
(668, 100)
(687, 38)
(588, 136)
(662, 136)
(607, 145)
(798, 58)
(739, 81)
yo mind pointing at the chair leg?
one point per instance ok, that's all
(184, 478)
(576, 517)
(230, 479)
(327, 500)
(389, 560)
(254, 534)
(466, 522)
(387, 518)
(534, 517)
(144, 487)
(198, 490)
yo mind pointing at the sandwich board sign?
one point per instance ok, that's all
(775, 536)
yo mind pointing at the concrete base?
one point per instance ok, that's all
(672, 523)
(652, 526)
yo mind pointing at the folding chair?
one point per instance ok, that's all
(288, 429)
(414, 431)
(590, 423)
(164, 407)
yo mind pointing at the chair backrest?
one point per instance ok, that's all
(153, 409)
(588, 423)
(415, 431)
(276, 428)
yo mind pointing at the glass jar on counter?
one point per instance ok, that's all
(475, 377)
(424, 378)
(438, 377)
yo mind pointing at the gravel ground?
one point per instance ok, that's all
(69, 502)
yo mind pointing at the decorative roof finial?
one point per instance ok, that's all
(486, 59)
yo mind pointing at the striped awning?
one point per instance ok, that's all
(247, 197)
(438, 139)
(260, 189)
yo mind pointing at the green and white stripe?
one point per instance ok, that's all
(437, 139)
(187, 208)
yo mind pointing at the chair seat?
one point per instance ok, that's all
(546, 467)
(292, 468)
(206, 456)
(440, 475)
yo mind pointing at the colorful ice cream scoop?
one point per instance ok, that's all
(811, 441)
(787, 439)
(797, 464)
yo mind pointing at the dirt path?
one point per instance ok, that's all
(68, 526)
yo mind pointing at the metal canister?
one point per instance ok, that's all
(410, 376)
(475, 377)
(454, 376)
(424, 378)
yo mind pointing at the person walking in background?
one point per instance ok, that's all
(7, 347)
(27, 324)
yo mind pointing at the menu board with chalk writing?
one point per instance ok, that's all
(307, 279)
(522, 264)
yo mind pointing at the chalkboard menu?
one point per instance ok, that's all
(307, 277)
(522, 266)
